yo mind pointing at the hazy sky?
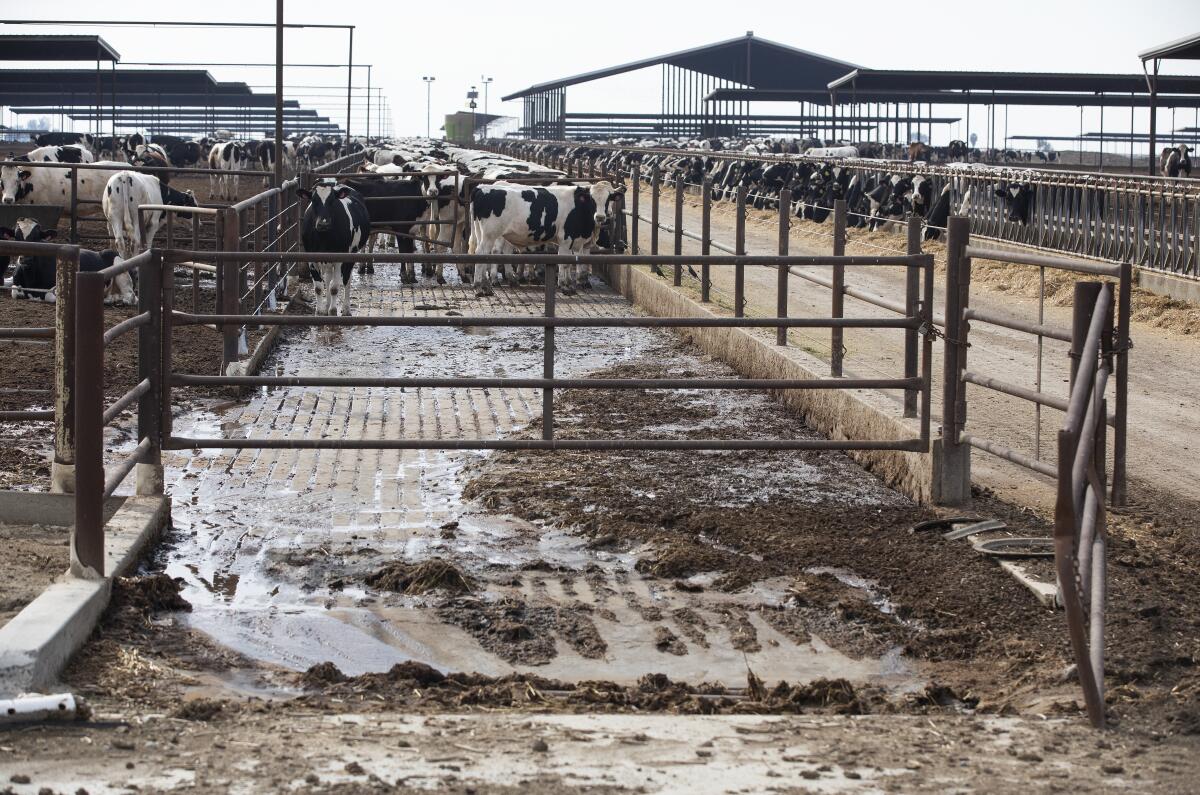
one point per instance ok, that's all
(518, 45)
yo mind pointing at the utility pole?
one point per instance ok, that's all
(349, 81)
(428, 101)
(485, 80)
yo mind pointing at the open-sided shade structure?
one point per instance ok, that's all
(1185, 49)
(689, 75)
(40, 47)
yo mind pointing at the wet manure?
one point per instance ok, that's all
(419, 578)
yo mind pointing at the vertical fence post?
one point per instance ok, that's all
(62, 470)
(195, 272)
(75, 205)
(548, 353)
(952, 460)
(274, 206)
(677, 276)
(739, 246)
(1121, 409)
(634, 220)
(838, 299)
(781, 285)
(87, 536)
(1085, 297)
(655, 180)
(166, 330)
(257, 271)
(231, 290)
(706, 241)
(149, 478)
(912, 285)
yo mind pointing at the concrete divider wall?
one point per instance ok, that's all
(837, 414)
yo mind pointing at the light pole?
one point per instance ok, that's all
(428, 102)
(485, 80)
(472, 95)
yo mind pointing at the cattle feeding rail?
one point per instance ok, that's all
(1151, 222)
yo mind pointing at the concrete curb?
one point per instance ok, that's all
(38, 642)
(837, 414)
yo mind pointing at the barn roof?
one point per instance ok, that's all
(44, 47)
(1186, 49)
(919, 80)
(748, 60)
(1052, 99)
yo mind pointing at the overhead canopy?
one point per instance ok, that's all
(958, 98)
(910, 80)
(748, 60)
(1185, 49)
(40, 47)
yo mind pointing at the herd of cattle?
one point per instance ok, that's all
(455, 199)
(472, 201)
(463, 201)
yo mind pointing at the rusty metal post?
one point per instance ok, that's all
(548, 353)
(87, 536)
(256, 291)
(62, 470)
(166, 330)
(837, 346)
(781, 285)
(706, 241)
(75, 205)
(149, 478)
(677, 276)
(231, 290)
(1085, 297)
(195, 273)
(951, 458)
(1121, 408)
(739, 245)
(912, 291)
(634, 220)
(655, 181)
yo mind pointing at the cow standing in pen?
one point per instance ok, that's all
(336, 220)
(567, 216)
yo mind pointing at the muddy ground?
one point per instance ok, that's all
(996, 708)
(34, 555)
(27, 374)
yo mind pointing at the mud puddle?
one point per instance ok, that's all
(276, 547)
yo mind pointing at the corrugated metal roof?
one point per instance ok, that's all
(46, 47)
(1064, 100)
(936, 80)
(770, 65)
(1187, 49)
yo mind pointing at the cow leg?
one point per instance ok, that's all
(566, 273)
(347, 271)
(123, 286)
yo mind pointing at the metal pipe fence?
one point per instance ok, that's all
(1151, 222)
(94, 482)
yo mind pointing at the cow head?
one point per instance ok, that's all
(602, 193)
(324, 202)
(14, 183)
(1018, 198)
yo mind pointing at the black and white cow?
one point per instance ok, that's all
(34, 185)
(125, 193)
(336, 220)
(63, 139)
(1018, 197)
(1176, 161)
(566, 216)
(35, 274)
(70, 153)
(225, 156)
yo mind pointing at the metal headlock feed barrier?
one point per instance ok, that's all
(1150, 222)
